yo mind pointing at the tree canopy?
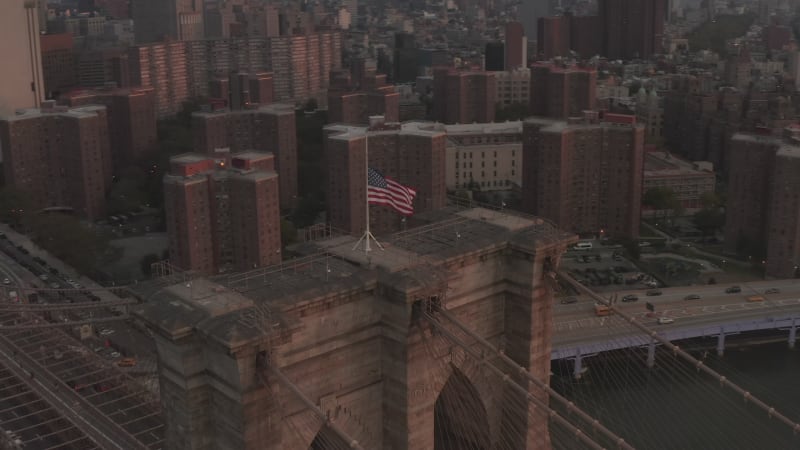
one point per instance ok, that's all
(663, 199)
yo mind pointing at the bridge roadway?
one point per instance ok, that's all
(112, 417)
(578, 331)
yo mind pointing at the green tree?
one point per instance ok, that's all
(711, 200)
(663, 200)
(14, 205)
(514, 111)
(146, 263)
(709, 221)
(632, 249)
(70, 240)
(288, 233)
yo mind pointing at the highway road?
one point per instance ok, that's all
(87, 391)
(574, 323)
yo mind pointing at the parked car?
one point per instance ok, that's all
(6, 281)
(692, 297)
(733, 290)
(653, 292)
(772, 291)
(630, 298)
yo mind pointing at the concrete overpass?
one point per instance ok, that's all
(579, 333)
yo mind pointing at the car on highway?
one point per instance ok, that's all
(127, 362)
(569, 300)
(733, 290)
(755, 298)
(44, 277)
(653, 292)
(772, 291)
(665, 320)
(692, 297)
(6, 281)
(630, 298)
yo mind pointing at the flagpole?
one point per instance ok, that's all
(367, 233)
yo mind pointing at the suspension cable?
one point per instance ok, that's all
(747, 396)
(542, 385)
(353, 444)
(521, 370)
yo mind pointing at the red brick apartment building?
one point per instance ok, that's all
(463, 96)
(270, 128)
(223, 217)
(410, 153)
(585, 174)
(59, 156)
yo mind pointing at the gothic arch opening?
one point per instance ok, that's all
(460, 420)
(327, 439)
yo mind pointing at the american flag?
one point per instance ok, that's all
(385, 191)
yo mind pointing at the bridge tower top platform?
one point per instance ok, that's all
(340, 323)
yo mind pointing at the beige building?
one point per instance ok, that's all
(486, 156)
(22, 81)
(689, 180)
(513, 86)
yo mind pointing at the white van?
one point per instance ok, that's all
(583, 246)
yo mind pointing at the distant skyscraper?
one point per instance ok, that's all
(405, 58)
(155, 20)
(301, 64)
(464, 96)
(162, 67)
(494, 59)
(22, 81)
(58, 63)
(516, 46)
(529, 13)
(562, 92)
(632, 28)
(554, 37)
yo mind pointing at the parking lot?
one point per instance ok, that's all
(605, 269)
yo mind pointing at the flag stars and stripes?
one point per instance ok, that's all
(385, 191)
